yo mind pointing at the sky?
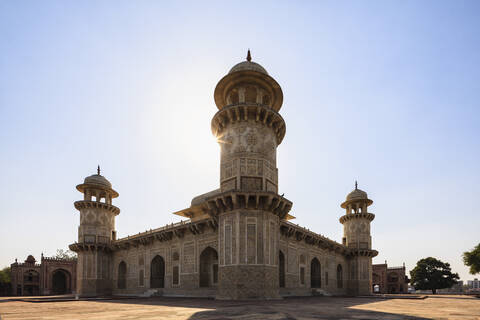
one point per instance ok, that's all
(383, 92)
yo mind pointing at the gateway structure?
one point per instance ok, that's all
(237, 241)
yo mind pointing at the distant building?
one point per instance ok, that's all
(473, 284)
(389, 280)
(51, 276)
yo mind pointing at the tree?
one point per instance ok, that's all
(472, 259)
(65, 254)
(432, 274)
(5, 281)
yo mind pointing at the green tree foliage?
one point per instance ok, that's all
(432, 274)
(5, 281)
(5, 276)
(472, 259)
(65, 254)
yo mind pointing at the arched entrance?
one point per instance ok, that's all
(281, 269)
(339, 276)
(208, 267)
(60, 281)
(157, 272)
(122, 275)
(375, 283)
(315, 274)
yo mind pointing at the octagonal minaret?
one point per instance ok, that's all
(248, 128)
(247, 206)
(356, 236)
(95, 233)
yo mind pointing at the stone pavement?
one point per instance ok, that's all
(433, 307)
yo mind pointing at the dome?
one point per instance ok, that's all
(30, 259)
(248, 66)
(248, 73)
(357, 194)
(98, 180)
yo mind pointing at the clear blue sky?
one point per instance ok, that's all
(385, 92)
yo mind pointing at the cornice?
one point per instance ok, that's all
(243, 112)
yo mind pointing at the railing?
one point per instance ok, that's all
(151, 231)
(309, 231)
(54, 259)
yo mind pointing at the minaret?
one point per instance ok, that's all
(95, 233)
(248, 208)
(356, 236)
(248, 128)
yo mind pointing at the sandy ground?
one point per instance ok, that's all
(436, 307)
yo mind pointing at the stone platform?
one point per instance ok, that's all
(432, 307)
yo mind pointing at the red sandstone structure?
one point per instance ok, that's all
(51, 276)
(389, 280)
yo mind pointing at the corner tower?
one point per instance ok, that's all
(95, 234)
(356, 236)
(247, 206)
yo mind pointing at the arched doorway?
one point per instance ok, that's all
(208, 267)
(315, 274)
(122, 275)
(375, 283)
(339, 276)
(157, 272)
(60, 281)
(281, 269)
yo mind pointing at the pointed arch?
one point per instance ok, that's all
(208, 267)
(315, 274)
(61, 281)
(157, 272)
(281, 269)
(122, 275)
(339, 276)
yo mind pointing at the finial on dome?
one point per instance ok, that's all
(356, 185)
(98, 170)
(249, 56)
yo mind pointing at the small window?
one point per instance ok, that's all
(302, 275)
(234, 97)
(175, 256)
(266, 100)
(141, 278)
(339, 276)
(326, 278)
(215, 273)
(176, 276)
(302, 259)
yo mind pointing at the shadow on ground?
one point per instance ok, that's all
(286, 309)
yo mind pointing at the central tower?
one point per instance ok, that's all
(249, 129)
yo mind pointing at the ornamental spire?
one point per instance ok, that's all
(249, 56)
(98, 169)
(356, 185)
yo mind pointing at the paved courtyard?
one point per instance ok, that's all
(438, 307)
